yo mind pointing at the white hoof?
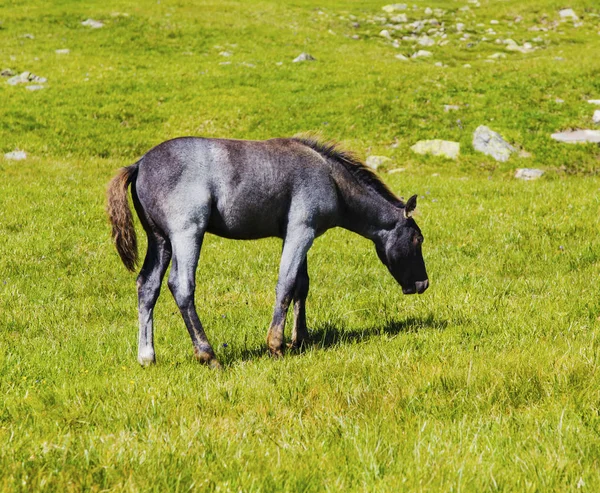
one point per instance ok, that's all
(146, 357)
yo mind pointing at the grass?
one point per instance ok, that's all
(489, 381)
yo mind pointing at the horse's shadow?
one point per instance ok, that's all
(329, 335)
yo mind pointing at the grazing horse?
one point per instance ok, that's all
(294, 189)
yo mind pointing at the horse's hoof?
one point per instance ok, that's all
(146, 359)
(276, 352)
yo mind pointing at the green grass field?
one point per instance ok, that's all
(488, 382)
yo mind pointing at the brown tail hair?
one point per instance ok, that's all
(119, 213)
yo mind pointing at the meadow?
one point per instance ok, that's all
(487, 382)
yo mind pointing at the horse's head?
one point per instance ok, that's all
(401, 252)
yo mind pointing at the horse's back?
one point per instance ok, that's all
(238, 189)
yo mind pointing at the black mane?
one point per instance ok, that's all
(351, 163)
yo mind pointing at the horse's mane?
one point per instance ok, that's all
(360, 171)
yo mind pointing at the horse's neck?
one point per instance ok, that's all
(365, 212)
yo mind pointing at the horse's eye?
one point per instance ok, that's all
(418, 239)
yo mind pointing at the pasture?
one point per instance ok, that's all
(487, 382)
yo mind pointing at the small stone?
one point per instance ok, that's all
(399, 56)
(34, 87)
(460, 27)
(385, 34)
(304, 57)
(395, 7)
(28, 36)
(497, 55)
(440, 64)
(492, 144)
(7, 72)
(16, 155)
(494, 22)
(559, 101)
(224, 53)
(451, 107)
(596, 117)
(92, 23)
(568, 14)
(528, 173)
(428, 11)
(421, 53)
(437, 147)
(577, 136)
(467, 65)
(62, 51)
(397, 170)
(594, 101)
(399, 18)
(375, 162)
(426, 41)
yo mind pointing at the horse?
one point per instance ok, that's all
(290, 188)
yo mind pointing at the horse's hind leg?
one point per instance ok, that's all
(148, 284)
(300, 331)
(182, 283)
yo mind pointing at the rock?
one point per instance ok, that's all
(16, 155)
(568, 14)
(385, 34)
(426, 41)
(401, 57)
(92, 23)
(492, 144)
(497, 55)
(6, 72)
(528, 173)
(437, 148)
(591, 101)
(421, 53)
(395, 7)
(428, 11)
(494, 22)
(304, 57)
(596, 117)
(28, 36)
(397, 170)
(62, 51)
(559, 101)
(460, 27)
(375, 162)
(399, 18)
(24, 78)
(224, 53)
(35, 87)
(451, 107)
(577, 136)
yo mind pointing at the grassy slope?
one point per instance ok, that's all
(489, 381)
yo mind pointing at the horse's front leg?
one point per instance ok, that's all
(300, 331)
(296, 245)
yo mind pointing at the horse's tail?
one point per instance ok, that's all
(119, 213)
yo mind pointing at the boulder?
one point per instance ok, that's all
(492, 144)
(437, 147)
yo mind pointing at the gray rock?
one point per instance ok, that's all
(304, 57)
(24, 78)
(426, 41)
(35, 87)
(596, 117)
(375, 162)
(577, 136)
(492, 144)
(437, 148)
(568, 14)
(528, 173)
(62, 51)
(28, 36)
(394, 7)
(399, 56)
(451, 107)
(16, 155)
(422, 53)
(399, 18)
(591, 101)
(385, 34)
(92, 23)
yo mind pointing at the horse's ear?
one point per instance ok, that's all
(410, 206)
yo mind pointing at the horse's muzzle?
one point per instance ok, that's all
(419, 287)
